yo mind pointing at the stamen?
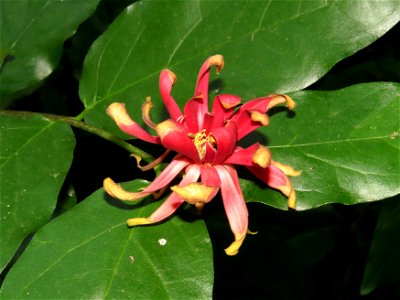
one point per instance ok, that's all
(200, 140)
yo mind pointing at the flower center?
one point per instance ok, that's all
(200, 139)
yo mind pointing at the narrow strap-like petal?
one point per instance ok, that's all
(167, 80)
(203, 81)
(235, 206)
(119, 114)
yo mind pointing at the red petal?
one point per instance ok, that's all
(223, 107)
(272, 175)
(194, 117)
(177, 164)
(242, 156)
(235, 206)
(243, 115)
(174, 200)
(167, 80)
(226, 139)
(175, 138)
(209, 176)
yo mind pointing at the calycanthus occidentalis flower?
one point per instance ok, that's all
(207, 150)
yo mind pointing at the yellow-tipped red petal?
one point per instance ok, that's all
(262, 157)
(167, 80)
(119, 114)
(233, 249)
(216, 60)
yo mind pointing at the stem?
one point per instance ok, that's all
(86, 127)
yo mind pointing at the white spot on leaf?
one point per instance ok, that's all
(162, 242)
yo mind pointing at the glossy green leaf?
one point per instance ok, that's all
(346, 143)
(384, 257)
(32, 36)
(90, 253)
(269, 46)
(35, 156)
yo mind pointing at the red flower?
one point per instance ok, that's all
(207, 150)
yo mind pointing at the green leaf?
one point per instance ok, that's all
(384, 257)
(269, 47)
(346, 143)
(32, 36)
(35, 156)
(91, 253)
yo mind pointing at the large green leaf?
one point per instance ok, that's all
(35, 156)
(32, 36)
(269, 46)
(384, 257)
(346, 142)
(90, 253)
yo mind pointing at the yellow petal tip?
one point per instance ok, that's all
(233, 249)
(138, 221)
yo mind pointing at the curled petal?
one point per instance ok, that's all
(288, 170)
(262, 157)
(116, 191)
(250, 116)
(233, 249)
(146, 107)
(167, 80)
(259, 117)
(118, 113)
(166, 176)
(276, 178)
(173, 137)
(202, 81)
(204, 74)
(276, 99)
(223, 107)
(235, 206)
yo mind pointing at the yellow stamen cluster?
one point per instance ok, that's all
(200, 139)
